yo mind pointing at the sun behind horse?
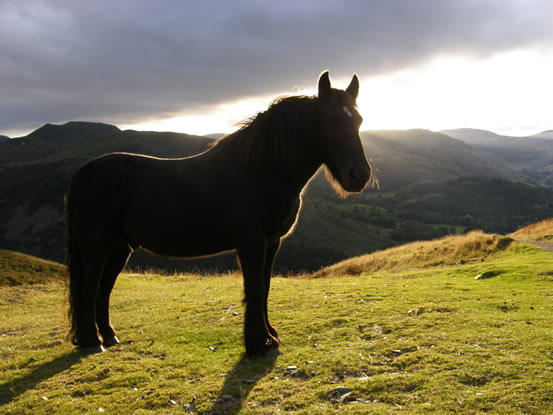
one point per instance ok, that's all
(242, 195)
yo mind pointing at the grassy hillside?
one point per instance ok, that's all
(473, 247)
(20, 269)
(492, 204)
(409, 339)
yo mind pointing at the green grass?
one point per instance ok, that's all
(429, 340)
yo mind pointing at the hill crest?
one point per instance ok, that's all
(474, 246)
(21, 269)
(540, 231)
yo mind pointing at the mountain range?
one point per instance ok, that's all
(531, 157)
(430, 184)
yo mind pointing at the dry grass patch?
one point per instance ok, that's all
(541, 231)
(450, 250)
(20, 269)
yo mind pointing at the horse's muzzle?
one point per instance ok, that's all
(357, 178)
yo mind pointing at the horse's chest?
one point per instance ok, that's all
(281, 218)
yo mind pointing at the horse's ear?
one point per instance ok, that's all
(324, 84)
(353, 88)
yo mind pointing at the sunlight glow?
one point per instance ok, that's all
(224, 118)
(508, 94)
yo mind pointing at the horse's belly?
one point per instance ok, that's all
(179, 239)
(185, 249)
(186, 252)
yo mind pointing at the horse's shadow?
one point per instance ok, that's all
(236, 388)
(239, 383)
(16, 387)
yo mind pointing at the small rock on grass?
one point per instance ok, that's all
(415, 312)
(339, 392)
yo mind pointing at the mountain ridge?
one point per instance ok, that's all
(530, 156)
(35, 172)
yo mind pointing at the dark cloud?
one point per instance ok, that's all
(120, 61)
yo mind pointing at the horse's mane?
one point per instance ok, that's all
(282, 132)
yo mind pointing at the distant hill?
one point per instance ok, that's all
(403, 158)
(84, 140)
(35, 172)
(473, 135)
(488, 203)
(531, 157)
(4, 138)
(430, 184)
(544, 134)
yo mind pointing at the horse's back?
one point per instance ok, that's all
(175, 207)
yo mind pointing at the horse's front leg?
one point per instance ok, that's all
(272, 250)
(258, 340)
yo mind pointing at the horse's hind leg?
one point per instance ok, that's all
(86, 331)
(114, 265)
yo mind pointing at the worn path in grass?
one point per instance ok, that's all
(540, 244)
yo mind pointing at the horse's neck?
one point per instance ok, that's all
(296, 175)
(292, 176)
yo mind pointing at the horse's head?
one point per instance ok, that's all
(337, 132)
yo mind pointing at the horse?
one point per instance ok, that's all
(242, 195)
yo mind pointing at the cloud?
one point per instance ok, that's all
(125, 61)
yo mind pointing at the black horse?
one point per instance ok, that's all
(243, 195)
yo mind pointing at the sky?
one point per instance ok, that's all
(201, 67)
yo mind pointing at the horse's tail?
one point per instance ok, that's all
(74, 262)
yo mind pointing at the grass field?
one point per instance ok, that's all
(409, 339)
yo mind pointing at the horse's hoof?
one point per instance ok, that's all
(93, 349)
(111, 341)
